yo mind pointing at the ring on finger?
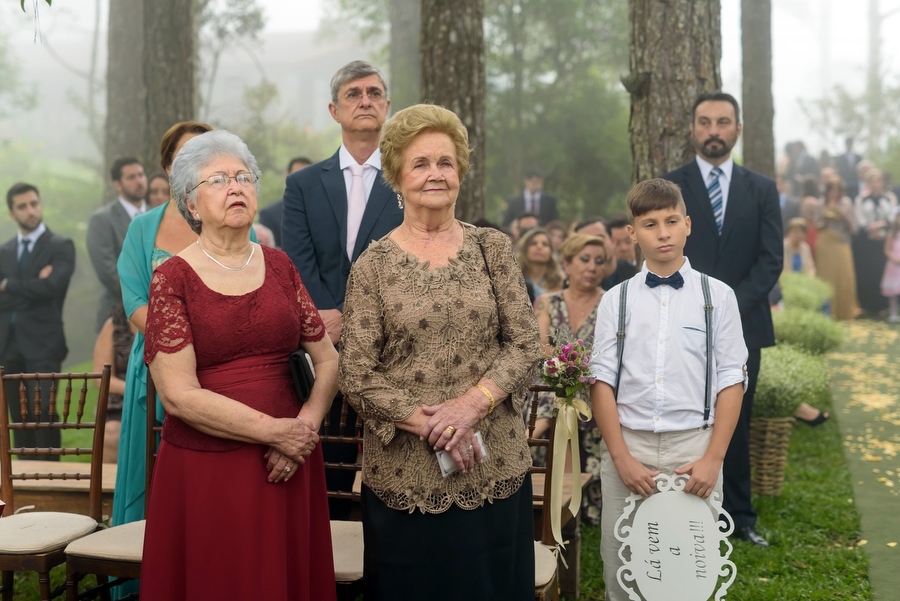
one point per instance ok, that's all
(287, 468)
(450, 430)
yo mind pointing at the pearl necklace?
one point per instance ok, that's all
(226, 267)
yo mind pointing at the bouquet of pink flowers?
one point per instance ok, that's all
(568, 372)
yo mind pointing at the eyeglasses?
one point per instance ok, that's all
(375, 95)
(219, 181)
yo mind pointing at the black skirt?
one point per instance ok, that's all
(479, 555)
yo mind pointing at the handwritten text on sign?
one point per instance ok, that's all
(672, 545)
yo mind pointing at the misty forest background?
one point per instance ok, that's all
(564, 85)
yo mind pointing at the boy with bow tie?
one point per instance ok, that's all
(669, 359)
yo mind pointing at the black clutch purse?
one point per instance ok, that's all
(302, 373)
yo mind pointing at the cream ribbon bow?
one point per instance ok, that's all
(566, 434)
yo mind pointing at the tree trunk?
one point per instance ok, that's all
(756, 89)
(874, 97)
(405, 75)
(675, 49)
(169, 65)
(124, 86)
(453, 76)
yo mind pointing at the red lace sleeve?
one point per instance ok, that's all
(167, 328)
(312, 328)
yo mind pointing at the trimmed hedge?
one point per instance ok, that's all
(788, 377)
(800, 291)
(812, 331)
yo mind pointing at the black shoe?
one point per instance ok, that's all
(749, 534)
(821, 418)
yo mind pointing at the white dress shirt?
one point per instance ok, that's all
(724, 180)
(369, 175)
(532, 202)
(32, 238)
(133, 211)
(664, 360)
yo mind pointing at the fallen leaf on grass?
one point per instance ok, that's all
(862, 543)
(873, 458)
(892, 545)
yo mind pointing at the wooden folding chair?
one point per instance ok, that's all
(546, 565)
(116, 552)
(346, 536)
(36, 540)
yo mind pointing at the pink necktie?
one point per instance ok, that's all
(356, 205)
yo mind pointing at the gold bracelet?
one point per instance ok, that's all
(488, 394)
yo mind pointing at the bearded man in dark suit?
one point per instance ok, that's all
(35, 269)
(736, 237)
(108, 226)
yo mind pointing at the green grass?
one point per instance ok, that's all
(813, 527)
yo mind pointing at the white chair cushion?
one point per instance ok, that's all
(545, 564)
(42, 531)
(120, 543)
(347, 546)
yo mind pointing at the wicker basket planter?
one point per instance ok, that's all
(787, 378)
(769, 438)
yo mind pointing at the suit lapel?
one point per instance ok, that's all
(378, 199)
(702, 212)
(734, 208)
(336, 191)
(123, 219)
(41, 247)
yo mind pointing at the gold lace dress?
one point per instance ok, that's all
(414, 335)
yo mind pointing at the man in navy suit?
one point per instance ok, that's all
(329, 221)
(736, 237)
(35, 269)
(271, 215)
(532, 200)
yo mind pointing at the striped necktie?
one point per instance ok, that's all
(714, 189)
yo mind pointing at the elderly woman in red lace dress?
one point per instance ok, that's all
(238, 504)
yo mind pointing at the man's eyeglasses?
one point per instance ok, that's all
(375, 95)
(219, 181)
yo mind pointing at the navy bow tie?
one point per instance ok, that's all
(675, 280)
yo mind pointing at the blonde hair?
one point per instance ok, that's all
(553, 274)
(401, 129)
(575, 243)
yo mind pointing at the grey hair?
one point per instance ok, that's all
(197, 153)
(351, 72)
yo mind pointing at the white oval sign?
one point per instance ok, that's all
(672, 547)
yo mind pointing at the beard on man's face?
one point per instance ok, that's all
(713, 148)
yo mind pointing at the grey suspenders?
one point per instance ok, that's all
(707, 310)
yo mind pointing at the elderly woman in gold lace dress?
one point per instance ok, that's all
(439, 341)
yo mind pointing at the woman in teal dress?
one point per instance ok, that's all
(152, 238)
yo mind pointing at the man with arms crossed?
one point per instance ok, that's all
(35, 269)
